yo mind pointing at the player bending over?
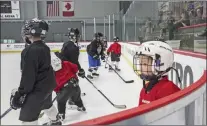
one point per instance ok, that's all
(38, 80)
(67, 84)
(95, 50)
(153, 63)
(115, 51)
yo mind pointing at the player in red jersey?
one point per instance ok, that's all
(67, 84)
(152, 64)
(115, 51)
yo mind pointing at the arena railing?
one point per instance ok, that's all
(186, 107)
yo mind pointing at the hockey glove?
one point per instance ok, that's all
(102, 57)
(17, 99)
(81, 73)
(96, 56)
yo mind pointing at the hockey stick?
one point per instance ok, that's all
(6, 112)
(129, 81)
(41, 114)
(106, 62)
(116, 106)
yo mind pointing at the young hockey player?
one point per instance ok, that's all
(67, 84)
(115, 51)
(153, 63)
(70, 52)
(38, 80)
(95, 50)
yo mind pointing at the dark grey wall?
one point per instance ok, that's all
(57, 30)
(11, 30)
(27, 9)
(84, 11)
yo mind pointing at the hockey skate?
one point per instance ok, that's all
(117, 69)
(61, 117)
(110, 69)
(90, 77)
(82, 109)
(58, 121)
(95, 74)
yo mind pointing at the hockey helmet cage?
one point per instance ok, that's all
(35, 27)
(73, 34)
(162, 57)
(98, 36)
(116, 39)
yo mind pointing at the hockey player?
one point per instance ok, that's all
(153, 63)
(67, 84)
(38, 80)
(70, 50)
(115, 51)
(95, 50)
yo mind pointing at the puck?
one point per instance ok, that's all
(83, 94)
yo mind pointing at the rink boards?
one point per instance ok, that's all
(18, 47)
(185, 107)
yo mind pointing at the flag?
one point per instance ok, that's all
(68, 8)
(52, 8)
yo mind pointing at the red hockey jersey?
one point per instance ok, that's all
(115, 48)
(63, 75)
(163, 88)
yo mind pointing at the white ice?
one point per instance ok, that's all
(96, 105)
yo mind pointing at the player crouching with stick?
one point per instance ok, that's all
(67, 84)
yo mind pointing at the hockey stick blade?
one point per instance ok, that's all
(120, 106)
(130, 81)
(116, 106)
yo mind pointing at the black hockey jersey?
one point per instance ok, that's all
(37, 72)
(95, 48)
(70, 52)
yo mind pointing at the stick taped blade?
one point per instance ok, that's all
(130, 81)
(120, 106)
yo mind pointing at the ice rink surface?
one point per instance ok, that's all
(96, 105)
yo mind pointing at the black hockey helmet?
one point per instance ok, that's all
(35, 27)
(98, 36)
(73, 34)
(116, 39)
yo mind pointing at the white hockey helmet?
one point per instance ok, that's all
(162, 56)
(56, 63)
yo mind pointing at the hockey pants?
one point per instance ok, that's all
(70, 91)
